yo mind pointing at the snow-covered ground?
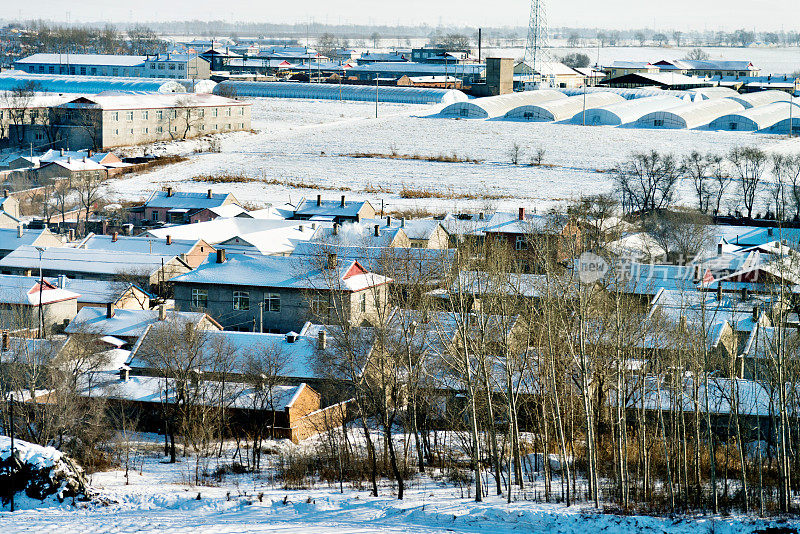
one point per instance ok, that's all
(159, 499)
(307, 142)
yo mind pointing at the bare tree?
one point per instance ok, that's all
(647, 181)
(19, 100)
(749, 164)
(695, 166)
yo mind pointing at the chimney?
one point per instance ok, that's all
(114, 237)
(6, 344)
(220, 255)
(260, 382)
(769, 232)
(109, 310)
(5, 193)
(319, 200)
(377, 230)
(89, 152)
(335, 229)
(169, 239)
(719, 249)
(169, 191)
(331, 261)
(745, 294)
(291, 337)
(342, 204)
(402, 222)
(719, 291)
(69, 159)
(124, 374)
(19, 230)
(61, 150)
(162, 312)
(322, 340)
(62, 281)
(755, 314)
(71, 234)
(480, 216)
(388, 221)
(210, 194)
(522, 214)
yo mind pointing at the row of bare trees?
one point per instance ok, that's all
(739, 179)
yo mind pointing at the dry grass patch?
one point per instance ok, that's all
(441, 158)
(407, 192)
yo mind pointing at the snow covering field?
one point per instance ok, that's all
(159, 499)
(307, 142)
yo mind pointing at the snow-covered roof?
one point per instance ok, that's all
(326, 91)
(75, 165)
(187, 200)
(94, 291)
(264, 236)
(333, 208)
(630, 110)
(161, 390)
(9, 237)
(140, 245)
(282, 272)
(692, 115)
(564, 108)
(69, 83)
(297, 357)
(85, 59)
(25, 290)
(413, 228)
(124, 323)
(357, 234)
(760, 98)
(510, 223)
(68, 259)
(111, 100)
(762, 117)
(497, 106)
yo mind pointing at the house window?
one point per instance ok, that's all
(160, 66)
(363, 302)
(144, 130)
(519, 242)
(131, 131)
(115, 115)
(228, 112)
(116, 132)
(172, 66)
(38, 136)
(152, 65)
(241, 111)
(154, 216)
(51, 69)
(160, 129)
(202, 127)
(144, 115)
(115, 72)
(241, 300)
(215, 112)
(658, 122)
(160, 114)
(129, 115)
(201, 112)
(200, 298)
(272, 302)
(180, 67)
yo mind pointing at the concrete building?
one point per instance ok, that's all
(117, 119)
(83, 64)
(176, 66)
(499, 75)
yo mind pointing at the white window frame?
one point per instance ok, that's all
(241, 300)
(199, 295)
(272, 302)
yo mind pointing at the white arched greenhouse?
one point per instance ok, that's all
(330, 91)
(630, 110)
(710, 93)
(490, 107)
(198, 86)
(563, 109)
(761, 118)
(54, 83)
(761, 98)
(628, 93)
(692, 115)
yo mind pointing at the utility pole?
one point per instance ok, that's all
(584, 101)
(41, 287)
(11, 416)
(791, 105)
(261, 317)
(376, 94)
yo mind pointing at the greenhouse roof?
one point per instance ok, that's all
(497, 106)
(565, 108)
(54, 83)
(323, 91)
(630, 110)
(761, 98)
(757, 118)
(695, 114)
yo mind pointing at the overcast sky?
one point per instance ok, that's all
(673, 14)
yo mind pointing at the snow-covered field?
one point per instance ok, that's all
(159, 499)
(307, 142)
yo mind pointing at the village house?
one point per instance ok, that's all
(21, 297)
(192, 251)
(333, 211)
(181, 207)
(12, 238)
(280, 293)
(421, 233)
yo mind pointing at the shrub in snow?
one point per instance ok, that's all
(39, 472)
